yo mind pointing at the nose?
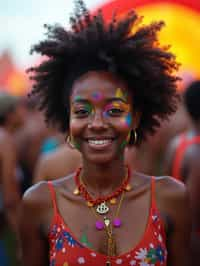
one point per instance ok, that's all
(97, 122)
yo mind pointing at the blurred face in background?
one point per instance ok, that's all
(18, 115)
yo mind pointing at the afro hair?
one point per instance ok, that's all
(124, 47)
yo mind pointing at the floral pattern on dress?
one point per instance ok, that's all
(151, 256)
(148, 253)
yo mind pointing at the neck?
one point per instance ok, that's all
(102, 179)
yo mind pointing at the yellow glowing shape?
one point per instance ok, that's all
(65, 264)
(120, 94)
(181, 31)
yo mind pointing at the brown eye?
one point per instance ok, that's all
(81, 112)
(115, 112)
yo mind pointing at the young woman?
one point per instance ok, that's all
(107, 86)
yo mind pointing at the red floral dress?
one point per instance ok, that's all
(66, 250)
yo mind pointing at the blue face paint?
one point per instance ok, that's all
(128, 120)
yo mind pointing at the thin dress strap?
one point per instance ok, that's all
(153, 200)
(53, 196)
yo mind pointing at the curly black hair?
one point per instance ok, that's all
(135, 56)
(191, 99)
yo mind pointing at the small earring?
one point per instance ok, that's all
(128, 137)
(135, 136)
(69, 141)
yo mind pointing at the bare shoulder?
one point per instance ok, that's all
(36, 200)
(167, 186)
(173, 199)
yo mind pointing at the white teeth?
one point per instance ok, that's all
(99, 142)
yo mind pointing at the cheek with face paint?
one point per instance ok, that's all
(126, 124)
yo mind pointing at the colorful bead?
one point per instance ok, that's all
(113, 201)
(106, 221)
(128, 187)
(99, 225)
(90, 204)
(76, 191)
(83, 190)
(117, 222)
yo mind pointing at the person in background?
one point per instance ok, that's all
(182, 161)
(12, 116)
(34, 139)
(59, 163)
(107, 86)
(184, 147)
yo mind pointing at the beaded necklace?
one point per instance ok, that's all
(81, 189)
(102, 209)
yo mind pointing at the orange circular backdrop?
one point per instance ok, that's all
(182, 31)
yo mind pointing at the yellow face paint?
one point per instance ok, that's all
(120, 94)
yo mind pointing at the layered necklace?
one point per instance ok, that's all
(99, 207)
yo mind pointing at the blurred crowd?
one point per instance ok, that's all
(31, 152)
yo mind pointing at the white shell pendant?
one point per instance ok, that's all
(102, 208)
(106, 221)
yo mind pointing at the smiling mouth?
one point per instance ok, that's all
(100, 143)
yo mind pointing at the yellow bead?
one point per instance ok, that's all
(90, 204)
(128, 187)
(113, 201)
(76, 191)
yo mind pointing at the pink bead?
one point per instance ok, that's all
(99, 225)
(117, 222)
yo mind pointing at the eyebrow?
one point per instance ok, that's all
(79, 100)
(116, 99)
(113, 99)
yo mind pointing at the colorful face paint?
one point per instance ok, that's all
(97, 96)
(82, 109)
(128, 120)
(121, 94)
(77, 145)
(116, 109)
(123, 145)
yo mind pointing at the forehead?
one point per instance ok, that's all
(99, 85)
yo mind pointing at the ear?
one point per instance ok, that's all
(136, 120)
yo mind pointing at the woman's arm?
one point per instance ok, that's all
(34, 243)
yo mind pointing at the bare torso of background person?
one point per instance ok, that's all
(29, 141)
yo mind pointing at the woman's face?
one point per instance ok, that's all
(101, 116)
